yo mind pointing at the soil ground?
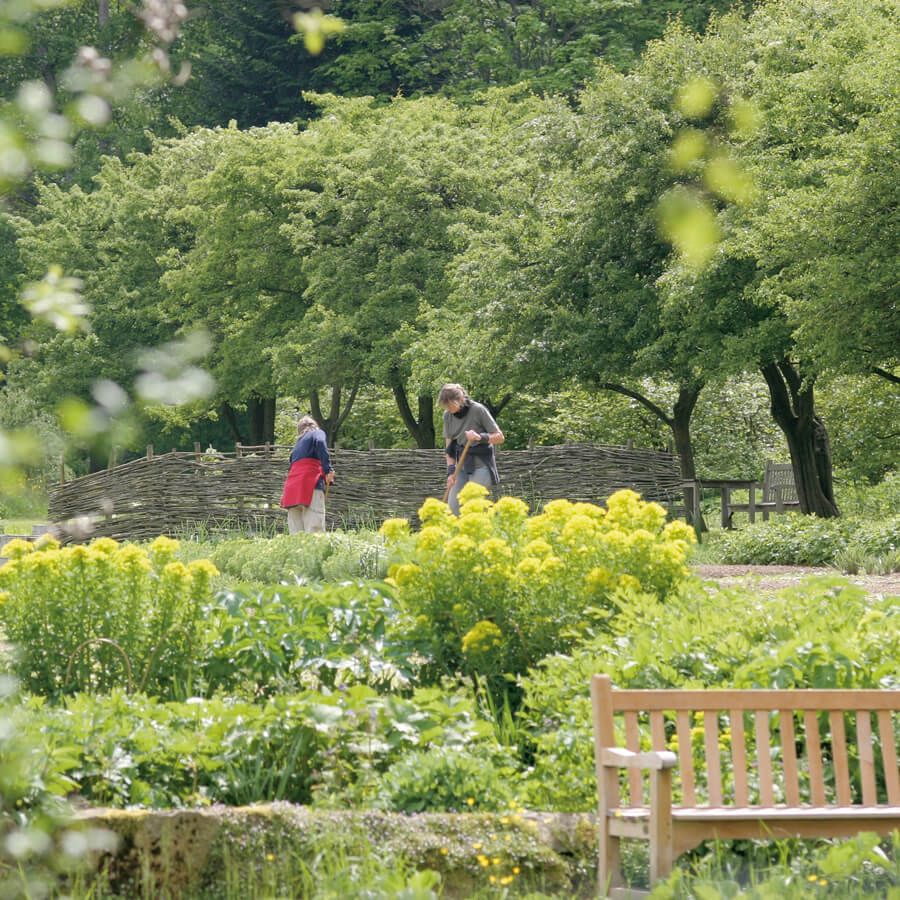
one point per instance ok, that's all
(774, 578)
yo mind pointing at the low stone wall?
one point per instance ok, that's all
(180, 853)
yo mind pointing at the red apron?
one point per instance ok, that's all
(301, 482)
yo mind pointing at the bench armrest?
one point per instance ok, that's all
(626, 759)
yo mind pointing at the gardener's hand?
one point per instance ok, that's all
(473, 436)
(329, 477)
(451, 480)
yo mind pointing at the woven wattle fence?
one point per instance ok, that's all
(173, 492)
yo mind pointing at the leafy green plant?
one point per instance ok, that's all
(443, 779)
(794, 539)
(102, 615)
(790, 539)
(310, 636)
(333, 556)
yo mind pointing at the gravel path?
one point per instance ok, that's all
(774, 578)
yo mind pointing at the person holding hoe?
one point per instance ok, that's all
(304, 488)
(470, 434)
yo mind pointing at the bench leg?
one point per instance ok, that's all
(609, 863)
(661, 849)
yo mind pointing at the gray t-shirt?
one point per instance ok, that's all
(477, 418)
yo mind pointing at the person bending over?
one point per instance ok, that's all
(465, 420)
(304, 488)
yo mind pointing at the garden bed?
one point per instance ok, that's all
(193, 853)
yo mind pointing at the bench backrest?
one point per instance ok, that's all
(758, 747)
(778, 475)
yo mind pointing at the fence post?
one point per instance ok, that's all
(62, 468)
(113, 453)
(197, 449)
(237, 451)
(371, 444)
(149, 452)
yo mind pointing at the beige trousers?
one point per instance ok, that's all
(308, 518)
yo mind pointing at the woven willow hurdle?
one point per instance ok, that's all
(176, 491)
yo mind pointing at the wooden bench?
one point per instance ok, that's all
(778, 494)
(746, 764)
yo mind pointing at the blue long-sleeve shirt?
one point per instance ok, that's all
(313, 445)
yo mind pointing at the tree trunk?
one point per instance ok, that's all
(680, 425)
(102, 12)
(331, 423)
(793, 409)
(421, 427)
(231, 420)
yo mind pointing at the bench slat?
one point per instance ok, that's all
(713, 760)
(717, 699)
(764, 758)
(739, 757)
(814, 757)
(789, 757)
(633, 743)
(866, 757)
(685, 757)
(839, 758)
(889, 757)
(657, 730)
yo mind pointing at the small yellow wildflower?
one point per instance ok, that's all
(508, 879)
(812, 878)
(470, 801)
(493, 879)
(496, 860)
(477, 845)
(270, 857)
(504, 820)
(483, 860)
(823, 881)
(444, 851)
(516, 870)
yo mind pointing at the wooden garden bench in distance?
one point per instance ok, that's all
(746, 764)
(778, 494)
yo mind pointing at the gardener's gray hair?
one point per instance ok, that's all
(307, 423)
(455, 393)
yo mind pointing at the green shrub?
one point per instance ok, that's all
(791, 539)
(797, 540)
(869, 501)
(121, 749)
(448, 780)
(311, 636)
(103, 615)
(334, 556)
(495, 589)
